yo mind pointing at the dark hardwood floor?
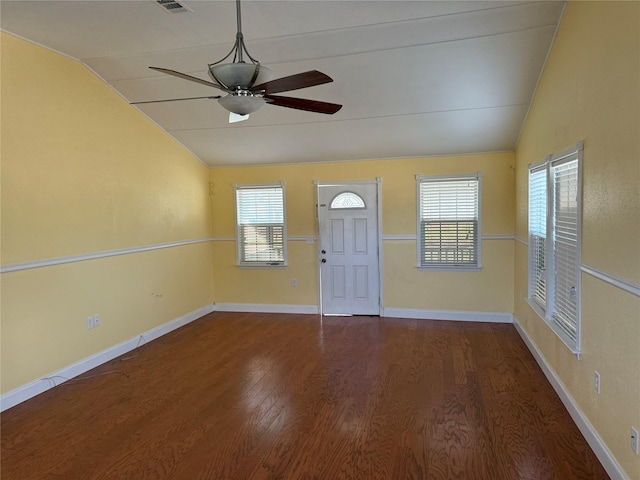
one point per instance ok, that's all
(267, 396)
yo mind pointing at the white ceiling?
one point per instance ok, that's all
(416, 78)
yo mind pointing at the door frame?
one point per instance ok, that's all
(378, 182)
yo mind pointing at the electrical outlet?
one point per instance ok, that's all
(90, 322)
(634, 440)
(96, 320)
(294, 282)
(596, 382)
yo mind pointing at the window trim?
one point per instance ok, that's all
(261, 265)
(551, 161)
(449, 268)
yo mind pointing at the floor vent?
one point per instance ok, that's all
(171, 6)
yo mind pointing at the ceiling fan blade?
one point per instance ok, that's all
(303, 104)
(187, 77)
(215, 97)
(293, 82)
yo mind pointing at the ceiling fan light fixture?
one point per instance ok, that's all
(242, 104)
(239, 75)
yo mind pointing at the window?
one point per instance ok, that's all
(449, 222)
(347, 200)
(538, 236)
(554, 243)
(261, 232)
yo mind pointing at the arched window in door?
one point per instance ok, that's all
(347, 200)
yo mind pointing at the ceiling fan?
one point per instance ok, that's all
(248, 86)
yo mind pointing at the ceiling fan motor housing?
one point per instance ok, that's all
(239, 76)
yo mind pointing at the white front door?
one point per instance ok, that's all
(349, 268)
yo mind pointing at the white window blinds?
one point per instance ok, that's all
(565, 246)
(538, 236)
(555, 206)
(448, 221)
(260, 225)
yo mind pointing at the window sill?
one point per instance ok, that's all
(262, 266)
(445, 268)
(568, 341)
(561, 334)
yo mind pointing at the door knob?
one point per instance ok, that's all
(324, 260)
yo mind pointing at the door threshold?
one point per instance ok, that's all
(337, 315)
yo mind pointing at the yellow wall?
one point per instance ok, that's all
(489, 290)
(590, 90)
(84, 172)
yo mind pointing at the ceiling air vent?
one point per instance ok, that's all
(171, 6)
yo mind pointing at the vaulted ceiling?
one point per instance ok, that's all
(416, 78)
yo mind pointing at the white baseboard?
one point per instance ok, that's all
(266, 308)
(388, 312)
(37, 387)
(462, 316)
(608, 461)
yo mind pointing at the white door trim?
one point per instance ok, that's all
(378, 183)
(380, 284)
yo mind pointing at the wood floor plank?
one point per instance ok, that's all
(236, 396)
